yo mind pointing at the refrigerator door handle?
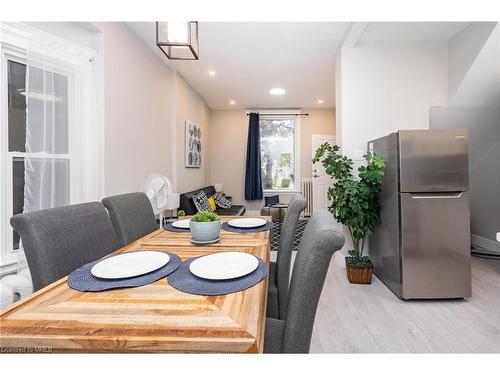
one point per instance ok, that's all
(440, 196)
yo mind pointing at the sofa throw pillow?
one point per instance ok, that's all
(211, 203)
(222, 201)
(200, 201)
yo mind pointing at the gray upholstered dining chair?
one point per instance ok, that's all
(279, 271)
(57, 241)
(132, 216)
(321, 238)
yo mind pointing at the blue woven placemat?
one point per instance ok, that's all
(228, 228)
(171, 228)
(183, 280)
(82, 279)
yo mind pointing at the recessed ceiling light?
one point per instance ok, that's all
(211, 73)
(277, 91)
(320, 101)
(232, 102)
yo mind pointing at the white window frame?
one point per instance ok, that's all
(14, 48)
(294, 115)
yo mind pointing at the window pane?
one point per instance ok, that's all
(17, 106)
(277, 144)
(48, 111)
(48, 103)
(52, 174)
(17, 193)
(47, 182)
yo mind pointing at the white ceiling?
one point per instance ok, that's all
(411, 31)
(250, 58)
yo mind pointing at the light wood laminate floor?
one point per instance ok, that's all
(371, 319)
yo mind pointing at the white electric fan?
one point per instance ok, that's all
(158, 189)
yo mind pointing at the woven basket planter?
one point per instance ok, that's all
(359, 275)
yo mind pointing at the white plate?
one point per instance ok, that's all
(129, 264)
(250, 222)
(181, 224)
(224, 266)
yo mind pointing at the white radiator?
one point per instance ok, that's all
(307, 192)
(14, 287)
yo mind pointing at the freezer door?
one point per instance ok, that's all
(435, 245)
(433, 160)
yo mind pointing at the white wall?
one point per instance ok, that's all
(144, 106)
(137, 105)
(190, 106)
(483, 125)
(475, 53)
(480, 84)
(463, 51)
(385, 87)
(338, 96)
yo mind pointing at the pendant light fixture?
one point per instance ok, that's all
(178, 40)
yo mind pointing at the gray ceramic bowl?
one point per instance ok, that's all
(205, 231)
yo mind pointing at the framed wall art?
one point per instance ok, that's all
(193, 145)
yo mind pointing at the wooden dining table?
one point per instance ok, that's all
(150, 318)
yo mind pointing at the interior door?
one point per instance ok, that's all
(320, 180)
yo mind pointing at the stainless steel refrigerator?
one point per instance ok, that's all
(421, 248)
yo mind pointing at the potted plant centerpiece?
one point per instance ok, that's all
(354, 203)
(205, 227)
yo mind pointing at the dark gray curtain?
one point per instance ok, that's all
(253, 174)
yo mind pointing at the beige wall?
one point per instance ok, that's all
(137, 109)
(228, 137)
(228, 148)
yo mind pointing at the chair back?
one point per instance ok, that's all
(284, 257)
(322, 237)
(132, 216)
(271, 199)
(57, 241)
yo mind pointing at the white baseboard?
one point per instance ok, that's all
(486, 243)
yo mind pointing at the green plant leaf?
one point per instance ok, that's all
(205, 217)
(354, 200)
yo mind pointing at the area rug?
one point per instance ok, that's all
(275, 241)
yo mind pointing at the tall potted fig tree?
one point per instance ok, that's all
(354, 203)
